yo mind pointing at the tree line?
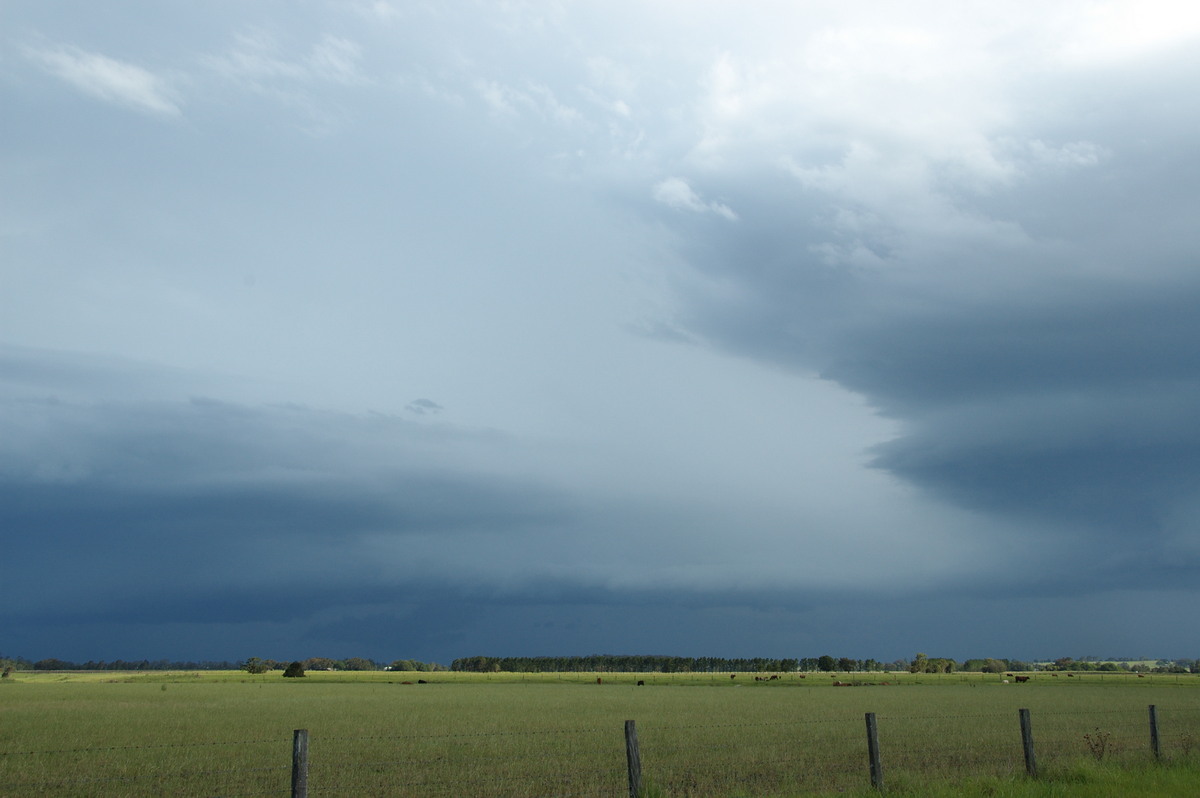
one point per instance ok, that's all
(614, 663)
(252, 664)
(921, 663)
(256, 665)
(55, 664)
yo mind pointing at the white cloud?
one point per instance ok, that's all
(536, 98)
(674, 192)
(1110, 31)
(378, 9)
(256, 58)
(109, 79)
(336, 59)
(1075, 154)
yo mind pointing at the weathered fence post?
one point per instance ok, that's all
(873, 752)
(1154, 732)
(300, 763)
(634, 759)
(1027, 743)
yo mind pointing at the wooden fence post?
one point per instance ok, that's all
(633, 758)
(873, 752)
(1027, 743)
(1154, 733)
(300, 763)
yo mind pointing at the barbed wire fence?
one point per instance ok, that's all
(792, 757)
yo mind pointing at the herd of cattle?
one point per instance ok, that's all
(773, 677)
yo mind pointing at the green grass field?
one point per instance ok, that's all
(230, 733)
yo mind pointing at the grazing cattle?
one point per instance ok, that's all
(422, 681)
(801, 675)
(1055, 675)
(1141, 676)
(599, 680)
(733, 676)
(641, 683)
(774, 676)
(1021, 679)
(1009, 675)
(1070, 675)
(1004, 681)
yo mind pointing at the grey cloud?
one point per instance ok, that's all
(1048, 375)
(188, 495)
(991, 247)
(423, 406)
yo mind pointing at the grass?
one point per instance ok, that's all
(104, 734)
(1081, 780)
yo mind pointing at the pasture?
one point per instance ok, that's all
(230, 733)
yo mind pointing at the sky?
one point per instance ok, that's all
(428, 330)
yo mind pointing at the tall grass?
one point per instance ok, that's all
(562, 734)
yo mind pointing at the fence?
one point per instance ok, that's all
(696, 760)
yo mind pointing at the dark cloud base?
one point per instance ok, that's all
(441, 625)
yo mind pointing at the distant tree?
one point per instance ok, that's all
(359, 664)
(12, 664)
(320, 664)
(255, 665)
(294, 670)
(826, 663)
(924, 664)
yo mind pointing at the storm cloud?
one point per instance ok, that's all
(371, 329)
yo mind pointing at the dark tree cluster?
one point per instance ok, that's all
(829, 664)
(53, 664)
(613, 663)
(924, 664)
(1127, 665)
(347, 664)
(415, 665)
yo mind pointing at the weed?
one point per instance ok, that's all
(1098, 743)
(651, 790)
